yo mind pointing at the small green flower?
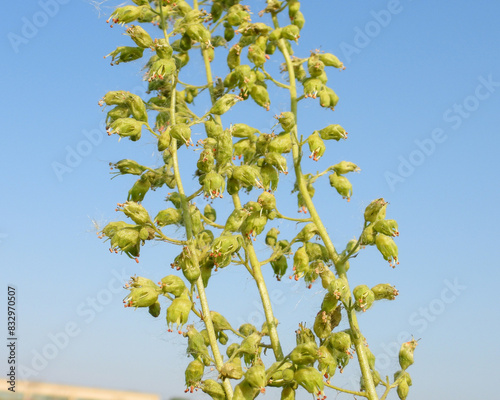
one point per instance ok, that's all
(387, 248)
(335, 132)
(125, 54)
(126, 127)
(140, 36)
(406, 353)
(178, 311)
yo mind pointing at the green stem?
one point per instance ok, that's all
(261, 285)
(207, 319)
(339, 389)
(340, 268)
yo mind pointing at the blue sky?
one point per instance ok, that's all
(419, 98)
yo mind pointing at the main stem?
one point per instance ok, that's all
(340, 268)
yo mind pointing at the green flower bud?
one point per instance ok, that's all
(293, 7)
(245, 148)
(197, 343)
(298, 20)
(163, 48)
(270, 177)
(344, 167)
(270, 48)
(246, 330)
(335, 132)
(364, 298)
(256, 377)
(117, 112)
(198, 33)
(213, 388)
(161, 69)
(267, 201)
(257, 56)
(286, 120)
(387, 248)
(315, 66)
(311, 87)
(233, 56)
(223, 104)
(338, 288)
(164, 139)
(331, 61)
(127, 240)
(206, 162)
(279, 265)
(254, 225)
(236, 219)
(280, 375)
(243, 391)
(144, 296)
(329, 303)
(175, 199)
(327, 277)
(181, 132)
(310, 379)
(272, 237)
(278, 161)
(193, 374)
(124, 15)
(247, 176)
(406, 353)
(169, 216)
(375, 210)
(325, 322)
(139, 281)
(140, 36)
(232, 369)
(136, 213)
(304, 335)
(172, 284)
(300, 262)
(260, 96)
(327, 364)
(368, 236)
(388, 227)
(210, 213)
(213, 185)
(139, 189)
(155, 309)
(250, 345)
(228, 32)
(243, 131)
(281, 143)
(327, 97)
(212, 128)
(178, 311)
(220, 322)
(304, 354)
(125, 54)
(316, 146)
(340, 341)
(342, 184)
(403, 389)
(128, 167)
(126, 127)
(384, 291)
(290, 32)
(308, 232)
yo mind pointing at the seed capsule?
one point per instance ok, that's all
(280, 265)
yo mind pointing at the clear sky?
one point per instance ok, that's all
(420, 100)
